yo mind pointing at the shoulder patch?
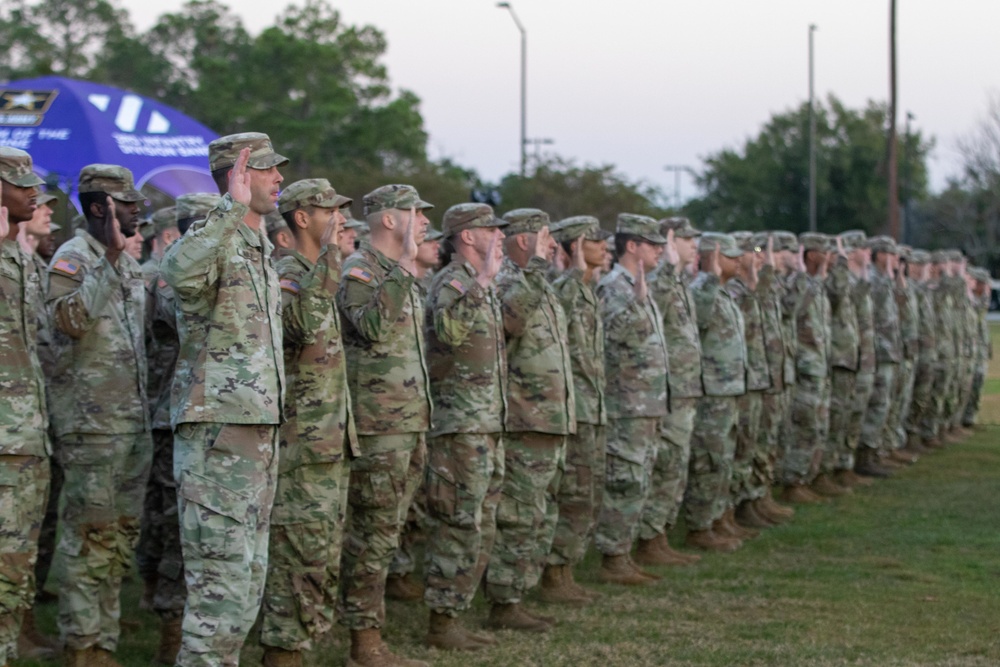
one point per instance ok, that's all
(67, 267)
(359, 274)
(457, 285)
(161, 283)
(289, 285)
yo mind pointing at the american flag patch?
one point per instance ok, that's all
(289, 285)
(456, 285)
(63, 266)
(360, 274)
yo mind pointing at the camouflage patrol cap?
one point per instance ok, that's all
(354, 223)
(939, 256)
(745, 241)
(195, 205)
(682, 227)
(44, 199)
(853, 239)
(163, 219)
(785, 241)
(111, 179)
(643, 226)
(980, 274)
(956, 255)
(222, 152)
(884, 244)
(572, 228)
(904, 252)
(468, 216)
(525, 221)
(16, 168)
(814, 241)
(273, 222)
(432, 235)
(727, 244)
(310, 192)
(390, 197)
(918, 256)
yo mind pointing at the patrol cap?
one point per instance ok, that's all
(16, 168)
(904, 252)
(918, 256)
(390, 197)
(939, 256)
(980, 274)
(222, 152)
(195, 205)
(273, 222)
(727, 244)
(45, 198)
(785, 241)
(745, 241)
(682, 227)
(525, 221)
(572, 228)
(643, 226)
(469, 215)
(956, 255)
(163, 219)
(813, 241)
(884, 244)
(353, 223)
(111, 179)
(310, 192)
(432, 235)
(853, 239)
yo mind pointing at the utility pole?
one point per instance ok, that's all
(524, 83)
(892, 148)
(812, 135)
(677, 169)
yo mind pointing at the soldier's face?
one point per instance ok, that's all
(346, 241)
(127, 213)
(265, 185)
(593, 253)
(428, 254)
(168, 236)
(649, 254)
(687, 250)
(38, 226)
(402, 220)
(20, 202)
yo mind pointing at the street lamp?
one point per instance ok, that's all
(524, 79)
(538, 143)
(812, 137)
(677, 169)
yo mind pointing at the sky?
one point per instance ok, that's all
(643, 84)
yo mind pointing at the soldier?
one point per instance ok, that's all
(969, 327)
(670, 286)
(226, 400)
(581, 486)
(859, 262)
(24, 445)
(788, 257)
(905, 294)
(429, 258)
(810, 411)
(163, 229)
(984, 351)
(723, 374)
(278, 234)
(540, 414)
(307, 518)
(96, 299)
(349, 236)
(387, 375)
(922, 403)
(467, 363)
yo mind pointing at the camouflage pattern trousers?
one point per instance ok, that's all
(874, 426)
(963, 392)
(104, 484)
(24, 483)
(381, 488)
(864, 385)
(50, 523)
(713, 447)
(404, 561)
(303, 572)
(902, 397)
(809, 430)
(773, 424)
(970, 416)
(632, 448)
(526, 515)
(742, 487)
(464, 478)
(580, 494)
(945, 378)
(839, 453)
(670, 469)
(225, 486)
(158, 554)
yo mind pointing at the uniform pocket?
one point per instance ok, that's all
(214, 518)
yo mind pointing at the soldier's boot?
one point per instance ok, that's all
(551, 620)
(78, 657)
(728, 526)
(887, 461)
(513, 617)
(445, 632)
(747, 516)
(915, 445)
(825, 486)
(762, 508)
(368, 650)
(709, 540)
(170, 641)
(688, 559)
(852, 479)
(868, 465)
(148, 591)
(403, 587)
(577, 588)
(32, 644)
(800, 494)
(644, 573)
(555, 591)
(279, 657)
(774, 508)
(652, 552)
(900, 456)
(619, 570)
(103, 658)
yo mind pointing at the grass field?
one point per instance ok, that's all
(906, 573)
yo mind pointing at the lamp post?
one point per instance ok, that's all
(538, 143)
(812, 137)
(677, 169)
(524, 80)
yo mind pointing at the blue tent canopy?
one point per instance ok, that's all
(67, 124)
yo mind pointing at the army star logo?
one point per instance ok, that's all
(25, 107)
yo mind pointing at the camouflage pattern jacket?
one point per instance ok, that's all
(720, 325)
(383, 337)
(861, 293)
(845, 341)
(319, 427)
(758, 373)
(785, 284)
(23, 417)
(162, 337)
(46, 351)
(926, 329)
(944, 316)
(888, 342)
(680, 330)
(586, 345)
(812, 326)
(969, 325)
(984, 348)
(909, 312)
(230, 367)
(466, 352)
(780, 366)
(98, 313)
(540, 375)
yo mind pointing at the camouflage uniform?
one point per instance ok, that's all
(581, 488)
(540, 414)
(919, 419)
(944, 311)
(864, 382)
(789, 301)
(984, 351)
(101, 421)
(671, 291)
(310, 500)
(226, 403)
(845, 346)
(24, 447)
(969, 327)
(902, 395)
(387, 374)
(467, 362)
(723, 373)
(888, 354)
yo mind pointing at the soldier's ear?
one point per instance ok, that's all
(301, 218)
(96, 210)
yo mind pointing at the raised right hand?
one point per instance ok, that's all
(239, 179)
(542, 239)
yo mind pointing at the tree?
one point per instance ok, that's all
(765, 184)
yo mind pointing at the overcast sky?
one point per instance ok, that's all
(648, 83)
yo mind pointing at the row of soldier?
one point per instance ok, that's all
(286, 425)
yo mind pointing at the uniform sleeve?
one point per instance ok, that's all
(306, 298)
(454, 312)
(373, 308)
(191, 264)
(705, 294)
(620, 313)
(75, 302)
(522, 297)
(663, 285)
(568, 289)
(838, 282)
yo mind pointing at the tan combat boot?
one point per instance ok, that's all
(102, 657)
(79, 657)
(513, 617)
(762, 508)
(852, 479)
(709, 540)
(619, 570)
(368, 650)
(652, 552)
(404, 588)
(278, 657)
(685, 558)
(825, 486)
(732, 529)
(747, 516)
(170, 641)
(445, 632)
(555, 591)
(799, 493)
(900, 456)
(774, 508)
(32, 644)
(577, 588)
